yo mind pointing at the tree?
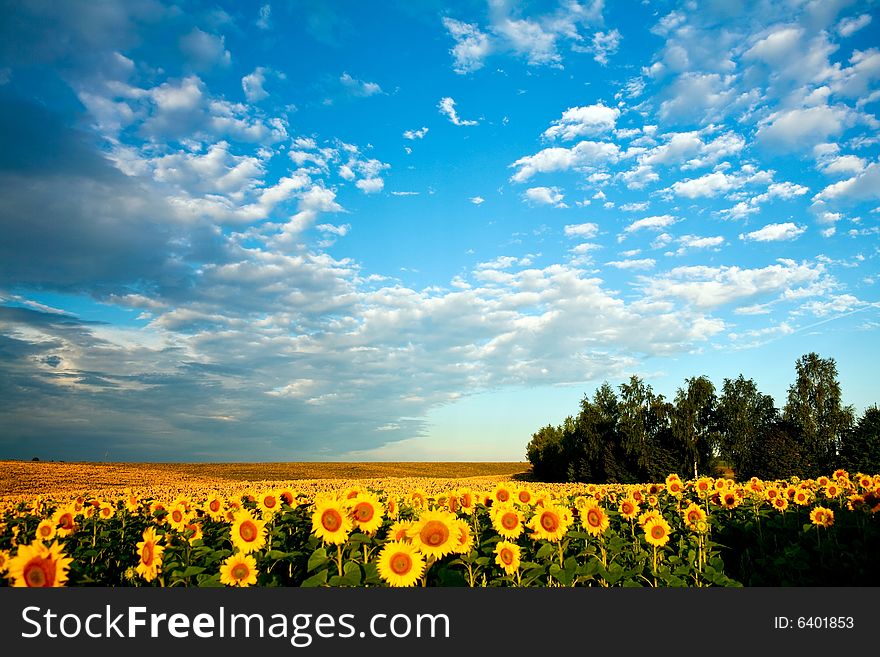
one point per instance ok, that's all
(860, 450)
(742, 417)
(778, 454)
(546, 455)
(815, 408)
(693, 422)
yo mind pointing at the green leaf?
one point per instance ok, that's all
(192, 570)
(351, 574)
(318, 579)
(319, 558)
(546, 550)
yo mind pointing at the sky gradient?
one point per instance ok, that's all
(331, 231)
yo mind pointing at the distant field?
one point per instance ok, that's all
(44, 478)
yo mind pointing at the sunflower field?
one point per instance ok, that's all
(706, 532)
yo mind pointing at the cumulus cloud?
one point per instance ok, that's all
(709, 185)
(774, 233)
(477, 200)
(864, 186)
(650, 223)
(471, 45)
(252, 84)
(545, 196)
(584, 121)
(584, 154)
(359, 88)
(605, 44)
(583, 231)
(447, 109)
(415, 134)
(802, 128)
(205, 51)
(849, 26)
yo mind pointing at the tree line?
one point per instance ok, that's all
(632, 434)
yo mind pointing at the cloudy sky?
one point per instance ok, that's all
(306, 231)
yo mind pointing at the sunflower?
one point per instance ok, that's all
(39, 565)
(693, 515)
(150, 554)
(45, 530)
(392, 507)
(132, 502)
(432, 533)
(4, 561)
(628, 508)
(400, 564)
(467, 501)
(105, 511)
(214, 507)
(248, 533)
(418, 499)
(178, 517)
(502, 494)
(465, 538)
(507, 521)
(452, 503)
(524, 496)
(780, 503)
(704, 485)
(822, 517)
(367, 513)
(550, 523)
(647, 516)
(239, 570)
(269, 503)
(287, 496)
(594, 519)
(193, 531)
(729, 499)
(330, 522)
(65, 520)
(802, 497)
(507, 555)
(832, 491)
(399, 531)
(657, 531)
(840, 473)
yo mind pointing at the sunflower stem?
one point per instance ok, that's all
(339, 558)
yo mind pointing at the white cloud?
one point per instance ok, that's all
(644, 263)
(370, 185)
(252, 84)
(710, 287)
(264, 20)
(204, 51)
(415, 134)
(561, 159)
(843, 165)
(802, 128)
(639, 206)
(359, 88)
(700, 97)
(650, 223)
(709, 185)
(584, 231)
(477, 200)
(529, 38)
(471, 45)
(774, 233)
(690, 242)
(864, 186)
(604, 44)
(849, 26)
(447, 108)
(545, 196)
(590, 120)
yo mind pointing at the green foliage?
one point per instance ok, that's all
(860, 448)
(634, 434)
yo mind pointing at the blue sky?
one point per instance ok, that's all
(331, 231)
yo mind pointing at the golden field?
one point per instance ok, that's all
(18, 478)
